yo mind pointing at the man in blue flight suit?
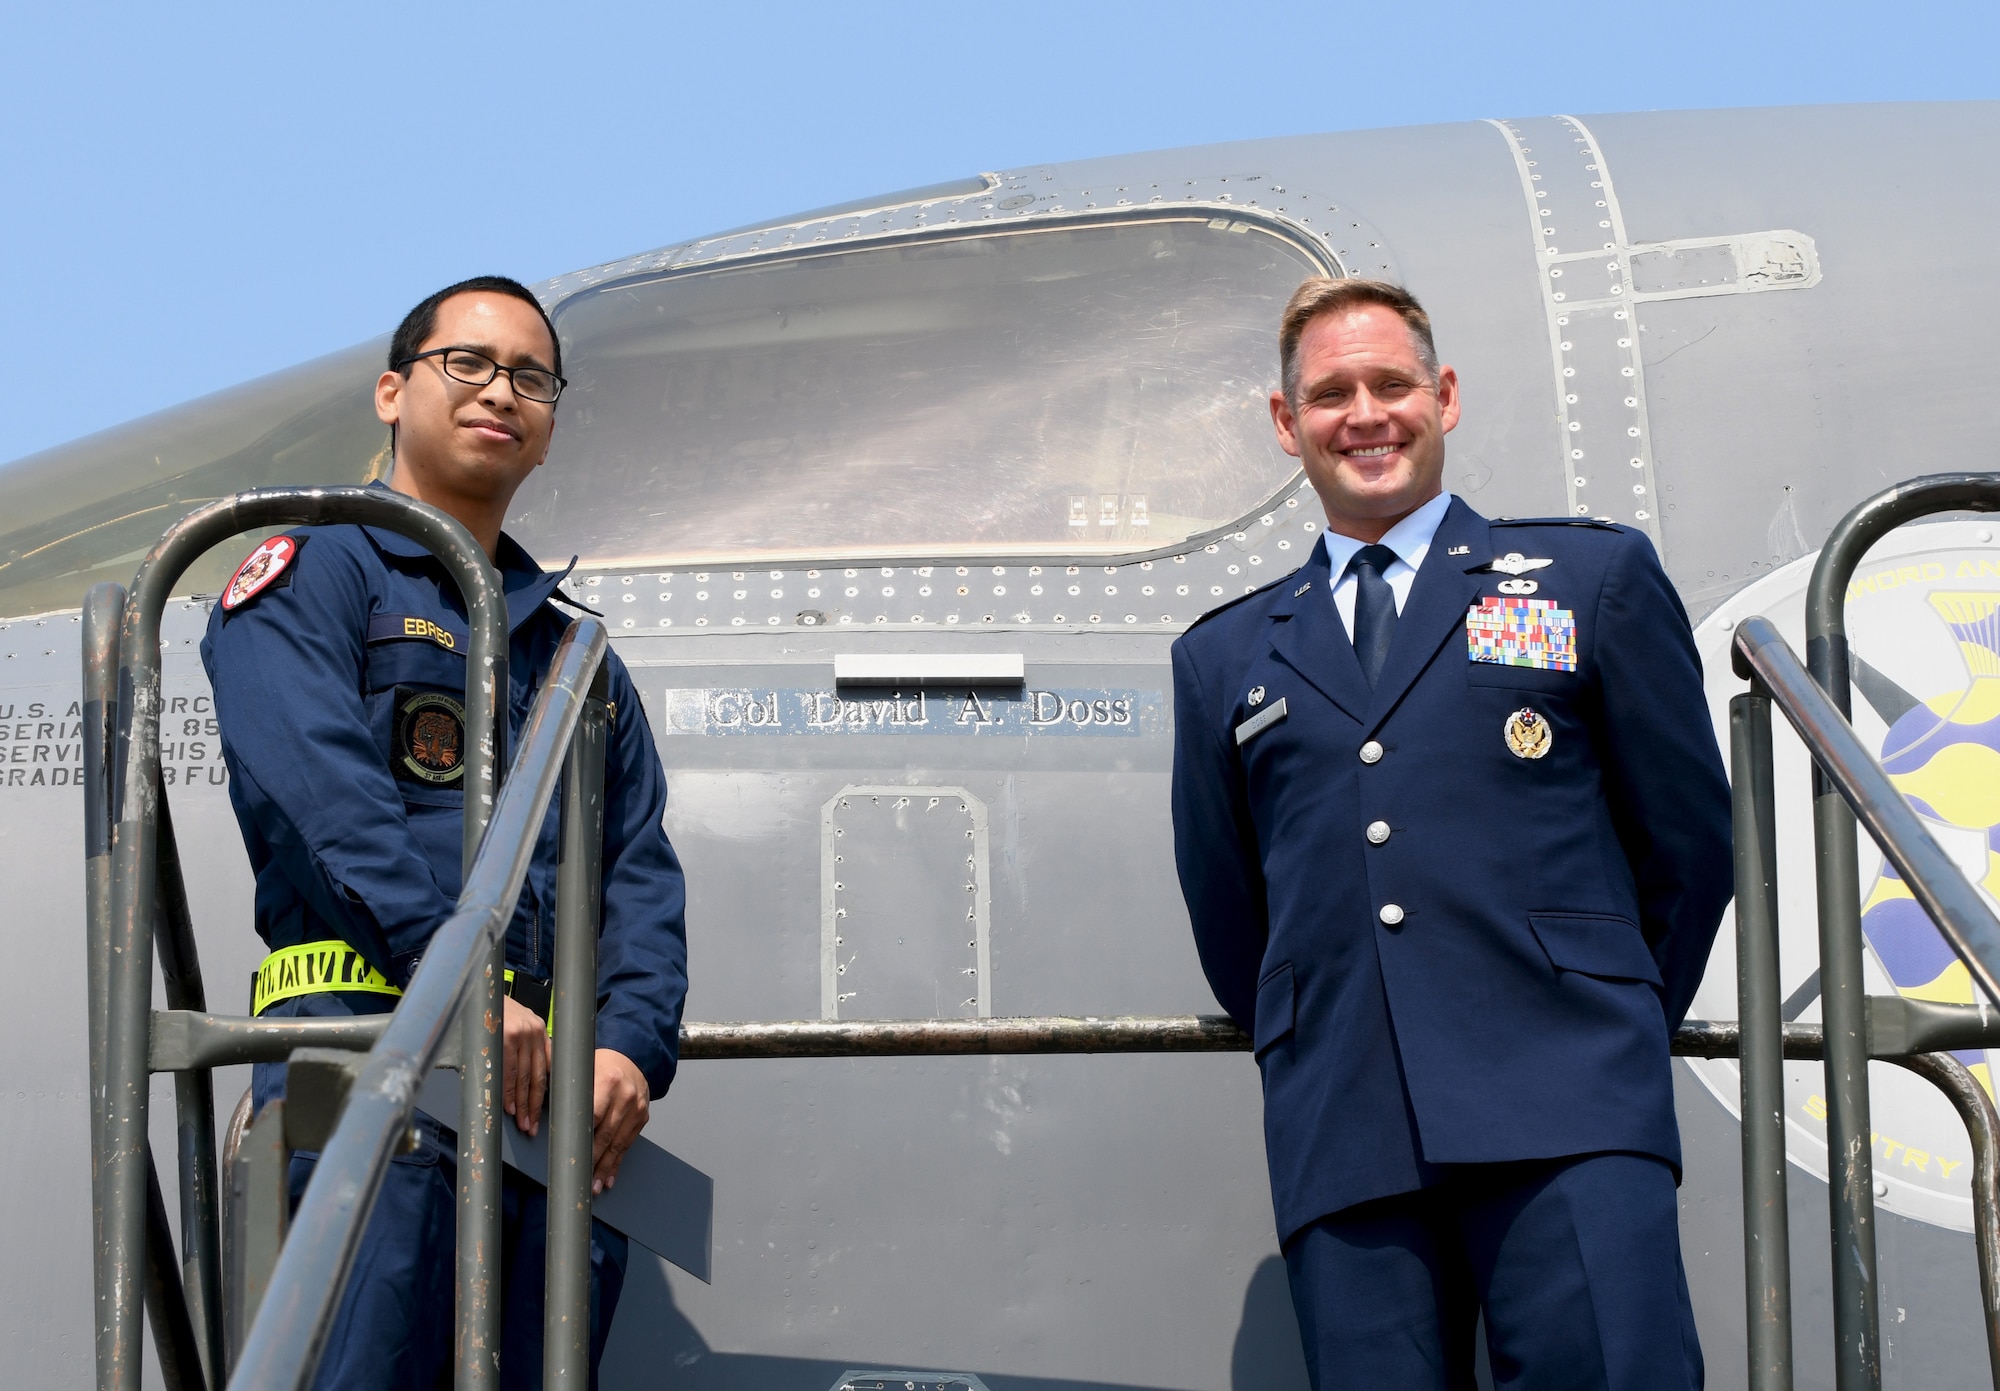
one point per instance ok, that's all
(1454, 837)
(336, 658)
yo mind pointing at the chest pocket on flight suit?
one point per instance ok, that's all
(416, 693)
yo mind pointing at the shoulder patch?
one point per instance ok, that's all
(262, 569)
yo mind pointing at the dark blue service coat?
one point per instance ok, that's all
(1556, 913)
(334, 688)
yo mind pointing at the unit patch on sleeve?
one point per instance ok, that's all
(430, 737)
(259, 571)
(1521, 633)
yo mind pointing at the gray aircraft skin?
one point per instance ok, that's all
(1024, 414)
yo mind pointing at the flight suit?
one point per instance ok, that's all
(1460, 913)
(338, 685)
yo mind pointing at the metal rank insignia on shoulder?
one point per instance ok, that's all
(1528, 734)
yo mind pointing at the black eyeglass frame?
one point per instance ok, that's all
(562, 383)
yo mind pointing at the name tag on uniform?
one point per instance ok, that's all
(1260, 722)
(403, 627)
(1521, 633)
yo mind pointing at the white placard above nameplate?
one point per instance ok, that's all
(912, 670)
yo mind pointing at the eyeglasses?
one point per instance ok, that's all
(477, 369)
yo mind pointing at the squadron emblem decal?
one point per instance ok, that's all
(259, 571)
(430, 737)
(1528, 734)
(1923, 616)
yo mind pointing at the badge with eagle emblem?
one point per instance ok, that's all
(1528, 734)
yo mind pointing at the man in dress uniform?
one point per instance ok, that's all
(1455, 839)
(336, 655)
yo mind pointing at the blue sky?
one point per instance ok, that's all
(192, 196)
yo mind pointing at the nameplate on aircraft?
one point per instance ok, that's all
(970, 710)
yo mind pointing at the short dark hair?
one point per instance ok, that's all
(1323, 294)
(419, 323)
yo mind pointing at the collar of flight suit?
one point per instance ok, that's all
(1306, 632)
(526, 585)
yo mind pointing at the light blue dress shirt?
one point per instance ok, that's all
(1410, 539)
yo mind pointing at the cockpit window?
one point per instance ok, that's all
(1089, 388)
(1054, 389)
(85, 512)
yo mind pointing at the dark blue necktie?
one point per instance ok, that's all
(1374, 609)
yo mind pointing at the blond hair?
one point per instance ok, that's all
(1323, 294)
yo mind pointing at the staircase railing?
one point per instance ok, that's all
(136, 901)
(1848, 783)
(135, 898)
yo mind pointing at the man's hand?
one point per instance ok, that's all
(524, 1077)
(618, 1107)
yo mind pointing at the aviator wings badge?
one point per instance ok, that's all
(1514, 563)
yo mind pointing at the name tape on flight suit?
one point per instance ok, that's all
(400, 627)
(1521, 633)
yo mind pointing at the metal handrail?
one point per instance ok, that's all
(903, 1038)
(1952, 902)
(284, 1345)
(101, 611)
(573, 1051)
(1762, 1034)
(133, 895)
(1887, 1028)
(1850, 1129)
(1806, 1043)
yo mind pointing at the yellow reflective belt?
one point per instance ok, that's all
(313, 968)
(550, 1022)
